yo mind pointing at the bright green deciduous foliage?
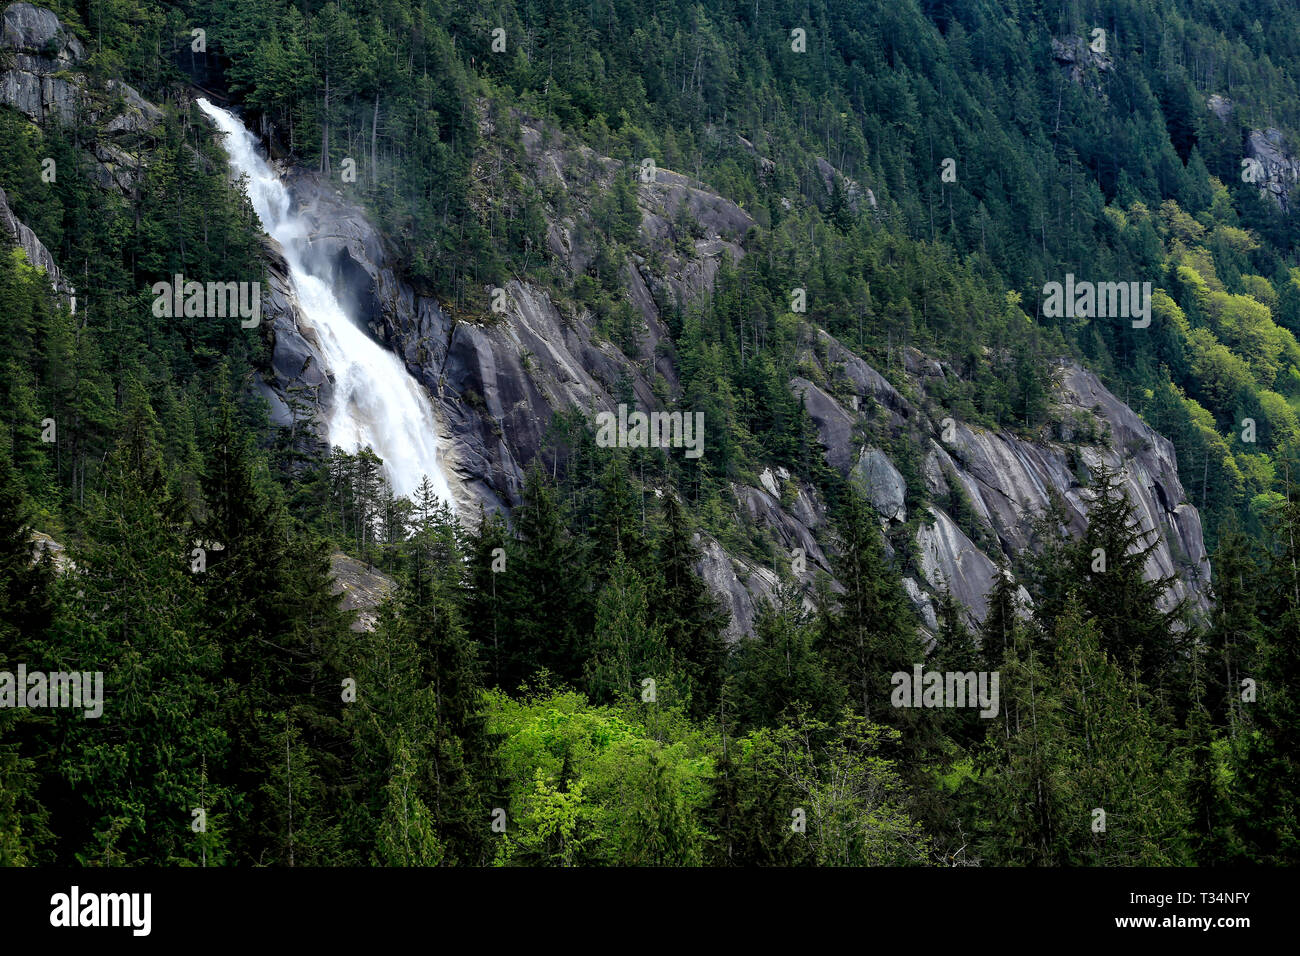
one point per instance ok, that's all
(811, 792)
(598, 785)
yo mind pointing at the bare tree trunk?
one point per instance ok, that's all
(325, 131)
(288, 764)
(374, 138)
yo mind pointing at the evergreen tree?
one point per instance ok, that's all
(1232, 634)
(1211, 818)
(955, 651)
(1267, 768)
(26, 587)
(626, 648)
(485, 594)
(999, 630)
(126, 790)
(777, 675)
(1105, 568)
(870, 634)
(268, 604)
(683, 608)
(1078, 771)
(549, 600)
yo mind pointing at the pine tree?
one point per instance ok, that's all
(1077, 771)
(658, 829)
(408, 834)
(683, 608)
(25, 593)
(134, 616)
(626, 649)
(752, 810)
(1267, 765)
(1233, 633)
(549, 599)
(485, 594)
(1211, 835)
(268, 603)
(617, 528)
(870, 634)
(1022, 798)
(955, 651)
(998, 632)
(1106, 568)
(776, 674)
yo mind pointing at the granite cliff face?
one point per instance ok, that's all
(37, 255)
(36, 81)
(1009, 481)
(1278, 169)
(1272, 164)
(39, 77)
(498, 378)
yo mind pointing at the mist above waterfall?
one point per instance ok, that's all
(376, 400)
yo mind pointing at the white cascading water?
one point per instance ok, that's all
(376, 401)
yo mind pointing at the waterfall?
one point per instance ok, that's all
(376, 401)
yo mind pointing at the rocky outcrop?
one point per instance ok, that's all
(41, 52)
(360, 588)
(40, 61)
(852, 192)
(1269, 163)
(951, 562)
(1277, 171)
(37, 255)
(1220, 106)
(498, 378)
(43, 545)
(36, 30)
(1008, 481)
(1078, 57)
(876, 476)
(740, 584)
(300, 388)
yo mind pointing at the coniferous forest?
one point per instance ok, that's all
(550, 673)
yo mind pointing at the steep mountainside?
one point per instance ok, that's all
(811, 432)
(499, 377)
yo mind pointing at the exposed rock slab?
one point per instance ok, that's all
(360, 588)
(37, 255)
